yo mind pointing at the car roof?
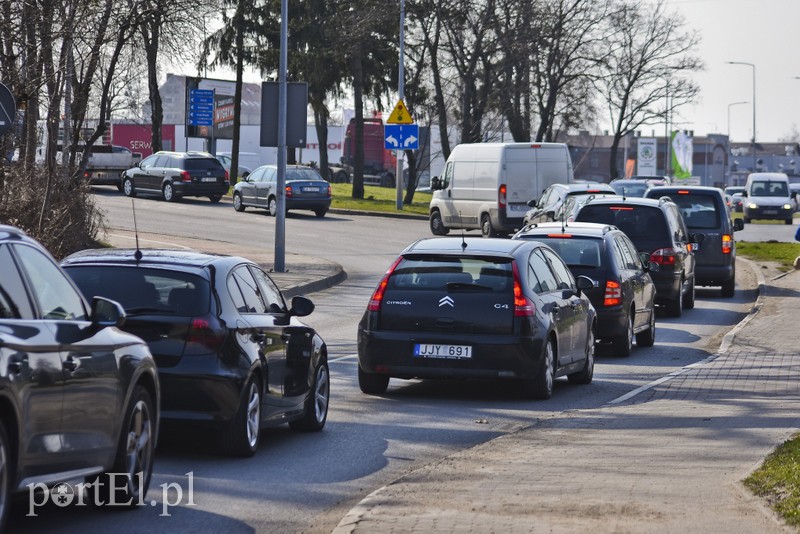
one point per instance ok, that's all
(183, 259)
(690, 188)
(587, 229)
(185, 155)
(465, 246)
(635, 201)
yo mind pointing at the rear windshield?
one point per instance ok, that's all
(203, 164)
(293, 175)
(469, 274)
(143, 290)
(575, 251)
(630, 189)
(699, 211)
(769, 189)
(636, 221)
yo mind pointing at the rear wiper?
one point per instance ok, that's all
(144, 309)
(465, 285)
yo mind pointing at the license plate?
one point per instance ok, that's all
(309, 189)
(450, 352)
(518, 207)
(209, 179)
(770, 212)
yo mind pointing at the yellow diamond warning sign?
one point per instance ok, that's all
(400, 114)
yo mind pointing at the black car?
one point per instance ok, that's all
(478, 308)
(656, 227)
(553, 198)
(305, 190)
(230, 353)
(625, 295)
(78, 397)
(704, 210)
(173, 175)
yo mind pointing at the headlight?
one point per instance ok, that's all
(752, 206)
(787, 206)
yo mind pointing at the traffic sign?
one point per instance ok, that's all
(201, 107)
(401, 136)
(400, 114)
(8, 109)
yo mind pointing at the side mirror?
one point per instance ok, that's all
(644, 257)
(738, 224)
(744, 193)
(584, 283)
(697, 238)
(531, 203)
(301, 306)
(551, 215)
(652, 267)
(106, 312)
(436, 183)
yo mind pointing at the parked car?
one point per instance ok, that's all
(243, 170)
(305, 190)
(767, 196)
(478, 308)
(554, 196)
(734, 189)
(79, 397)
(655, 227)
(230, 353)
(704, 210)
(173, 175)
(630, 188)
(624, 297)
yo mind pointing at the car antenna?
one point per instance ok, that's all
(138, 254)
(463, 241)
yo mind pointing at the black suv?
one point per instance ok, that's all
(625, 294)
(78, 397)
(553, 197)
(655, 227)
(173, 175)
(704, 210)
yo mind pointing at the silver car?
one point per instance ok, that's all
(305, 190)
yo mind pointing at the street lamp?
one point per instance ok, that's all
(727, 170)
(754, 105)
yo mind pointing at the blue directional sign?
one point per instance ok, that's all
(401, 136)
(201, 107)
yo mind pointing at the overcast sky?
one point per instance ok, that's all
(763, 32)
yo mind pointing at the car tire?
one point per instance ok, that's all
(168, 192)
(320, 212)
(623, 345)
(487, 230)
(316, 405)
(127, 187)
(238, 205)
(387, 180)
(272, 206)
(647, 338)
(6, 472)
(584, 376)
(214, 198)
(340, 177)
(729, 288)
(688, 300)
(437, 224)
(242, 438)
(135, 454)
(788, 221)
(372, 383)
(541, 386)
(675, 306)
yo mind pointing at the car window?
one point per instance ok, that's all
(699, 211)
(635, 221)
(628, 256)
(443, 273)
(576, 252)
(270, 175)
(448, 175)
(563, 276)
(249, 290)
(539, 273)
(269, 291)
(149, 161)
(14, 301)
(293, 175)
(257, 175)
(203, 164)
(676, 224)
(51, 289)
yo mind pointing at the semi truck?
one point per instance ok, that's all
(379, 163)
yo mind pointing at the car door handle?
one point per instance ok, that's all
(15, 364)
(70, 364)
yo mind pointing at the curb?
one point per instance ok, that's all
(318, 285)
(342, 211)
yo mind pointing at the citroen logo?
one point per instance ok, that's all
(447, 301)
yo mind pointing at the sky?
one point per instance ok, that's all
(765, 33)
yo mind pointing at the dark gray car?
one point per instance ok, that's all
(173, 175)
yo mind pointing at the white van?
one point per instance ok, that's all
(768, 197)
(487, 186)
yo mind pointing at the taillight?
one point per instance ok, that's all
(185, 176)
(613, 296)
(226, 176)
(501, 196)
(664, 256)
(727, 243)
(523, 307)
(329, 190)
(377, 296)
(288, 191)
(206, 331)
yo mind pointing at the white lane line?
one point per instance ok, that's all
(347, 357)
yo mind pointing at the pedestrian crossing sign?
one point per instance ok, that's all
(400, 114)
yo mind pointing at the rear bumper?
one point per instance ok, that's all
(611, 323)
(493, 356)
(199, 190)
(667, 289)
(308, 204)
(710, 275)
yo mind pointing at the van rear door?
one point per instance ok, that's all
(532, 169)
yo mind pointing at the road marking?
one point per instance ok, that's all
(340, 358)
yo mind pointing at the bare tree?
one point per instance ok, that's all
(650, 53)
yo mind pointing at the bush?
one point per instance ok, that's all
(70, 222)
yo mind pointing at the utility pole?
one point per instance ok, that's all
(398, 181)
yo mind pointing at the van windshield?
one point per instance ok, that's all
(769, 189)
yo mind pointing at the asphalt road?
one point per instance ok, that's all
(308, 482)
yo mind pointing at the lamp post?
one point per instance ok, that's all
(753, 142)
(728, 172)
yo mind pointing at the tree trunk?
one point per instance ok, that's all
(237, 97)
(411, 156)
(612, 170)
(151, 37)
(358, 142)
(321, 125)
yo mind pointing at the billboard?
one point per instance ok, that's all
(646, 156)
(209, 108)
(682, 154)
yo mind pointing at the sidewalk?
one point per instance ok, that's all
(670, 459)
